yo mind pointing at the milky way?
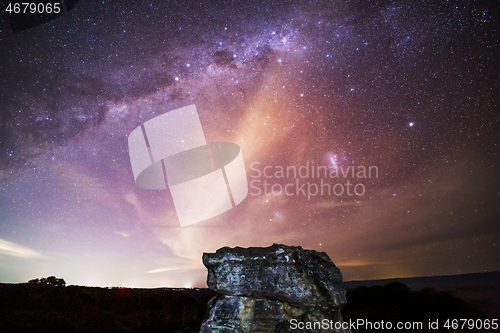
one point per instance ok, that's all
(410, 88)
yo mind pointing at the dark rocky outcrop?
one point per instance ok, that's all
(273, 289)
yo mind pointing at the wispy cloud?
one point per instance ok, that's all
(16, 250)
(169, 269)
(122, 233)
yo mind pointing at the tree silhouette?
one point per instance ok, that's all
(49, 281)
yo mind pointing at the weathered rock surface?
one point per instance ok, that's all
(269, 289)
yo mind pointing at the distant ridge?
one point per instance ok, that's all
(486, 279)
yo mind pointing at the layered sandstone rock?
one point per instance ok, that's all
(275, 289)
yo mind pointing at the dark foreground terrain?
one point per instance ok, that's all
(481, 291)
(48, 308)
(38, 308)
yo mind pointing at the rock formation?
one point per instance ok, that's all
(274, 289)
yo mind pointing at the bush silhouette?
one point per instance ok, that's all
(50, 281)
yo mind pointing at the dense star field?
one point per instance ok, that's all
(408, 88)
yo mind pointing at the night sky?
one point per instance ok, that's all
(411, 87)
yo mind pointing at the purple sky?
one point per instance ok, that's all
(411, 88)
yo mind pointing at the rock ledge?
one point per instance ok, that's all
(267, 289)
